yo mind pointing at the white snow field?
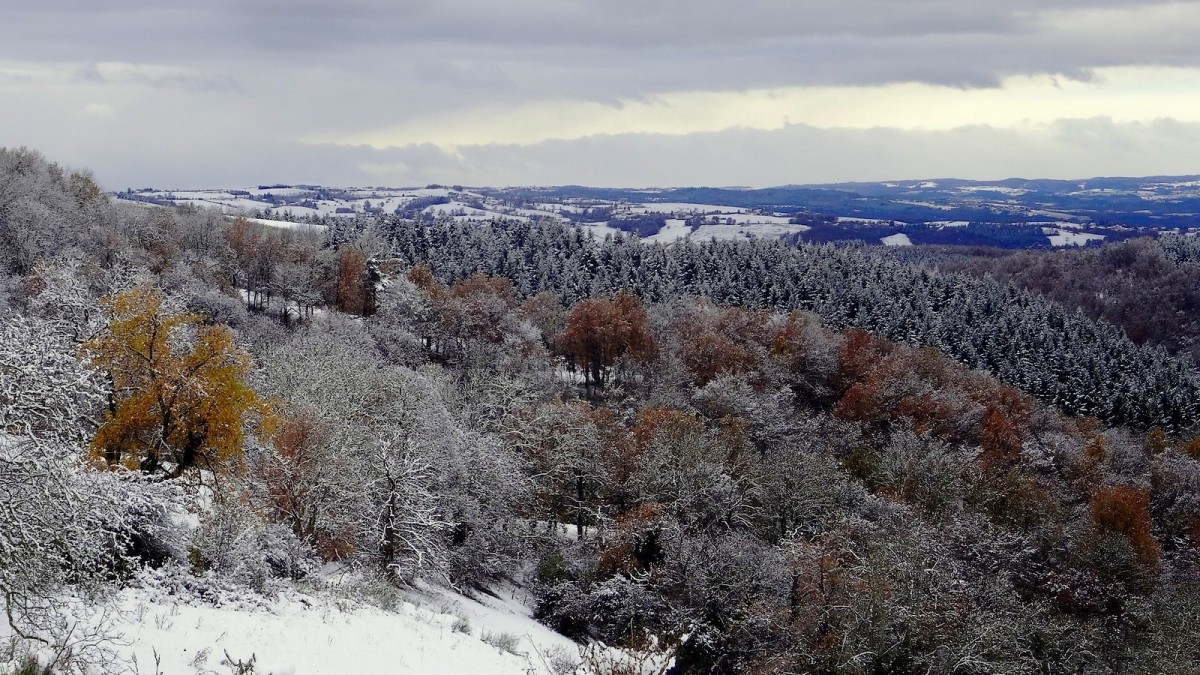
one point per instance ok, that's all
(166, 627)
(169, 622)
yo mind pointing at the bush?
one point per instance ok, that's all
(505, 642)
(616, 610)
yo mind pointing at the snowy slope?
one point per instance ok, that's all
(165, 626)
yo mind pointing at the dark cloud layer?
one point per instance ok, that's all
(618, 47)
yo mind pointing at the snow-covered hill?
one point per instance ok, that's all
(279, 205)
(1012, 214)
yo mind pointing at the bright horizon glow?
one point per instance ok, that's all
(1121, 94)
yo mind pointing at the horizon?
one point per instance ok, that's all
(663, 188)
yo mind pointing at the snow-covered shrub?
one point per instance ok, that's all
(618, 609)
(285, 554)
(482, 489)
(561, 660)
(152, 524)
(218, 307)
(403, 533)
(505, 642)
(232, 542)
(55, 532)
(45, 391)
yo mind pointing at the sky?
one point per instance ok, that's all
(229, 93)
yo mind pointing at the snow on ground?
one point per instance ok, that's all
(773, 230)
(463, 212)
(676, 228)
(241, 203)
(1000, 189)
(1065, 238)
(753, 218)
(302, 634)
(1058, 224)
(390, 204)
(599, 230)
(170, 622)
(560, 208)
(293, 211)
(537, 213)
(867, 221)
(898, 239)
(706, 232)
(1058, 215)
(931, 205)
(683, 207)
(428, 192)
(941, 224)
(278, 192)
(286, 224)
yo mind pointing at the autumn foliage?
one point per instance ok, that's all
(1124, 510)
(884, 383)
(600, 331)
(179, 398)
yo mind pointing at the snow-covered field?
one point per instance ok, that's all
(898, 239)
(170, 622)
(676, 228)
(684, 208)
(1062, 237)
(706, 232)
(286, 224)
(297, 633)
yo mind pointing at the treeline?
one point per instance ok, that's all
(1148, 287)
(1078, 364)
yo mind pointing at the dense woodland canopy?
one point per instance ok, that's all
(767, 457)
(1150, 288)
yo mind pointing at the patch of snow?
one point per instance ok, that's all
(721, 232)
(773, 229)
(898, 239)
(600, 230)
(684, 207)
(279, 192)
(865, 221)
(753, 218)
(169, 621)
(286, 224)
(928, 205)
(1000, 189)
(675, 228)
(294, 211)
(1064, 238)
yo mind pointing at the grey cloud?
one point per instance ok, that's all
(783, 41)
(320, 68)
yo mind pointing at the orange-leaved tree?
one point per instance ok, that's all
(179, 395)
(600, 331)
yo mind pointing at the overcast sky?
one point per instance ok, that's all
(223, 93)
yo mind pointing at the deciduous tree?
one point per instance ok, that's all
(179, 395)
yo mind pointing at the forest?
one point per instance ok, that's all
(755, 456)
